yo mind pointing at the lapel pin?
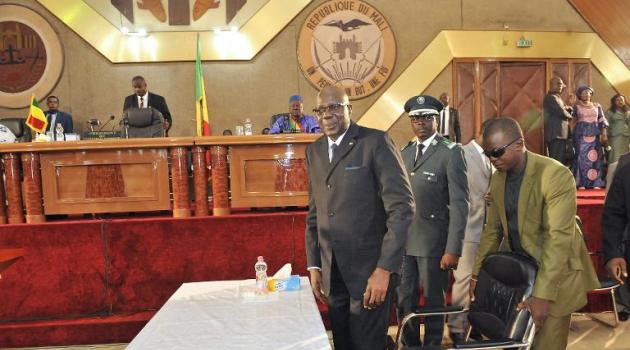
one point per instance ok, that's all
(351, 143)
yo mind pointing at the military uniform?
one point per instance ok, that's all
(437, 174)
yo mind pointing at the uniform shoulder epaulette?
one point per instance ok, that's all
(448, 143)
(407, 145)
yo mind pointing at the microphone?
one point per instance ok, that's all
(111, 117)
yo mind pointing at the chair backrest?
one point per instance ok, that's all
(18, 128)
(275, 117)
(505, 280)
(144, 122)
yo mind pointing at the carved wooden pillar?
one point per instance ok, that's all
(220, 181)
(3, 205)
(179, 176)
(32, 188)
(200, 174)
(14, 188)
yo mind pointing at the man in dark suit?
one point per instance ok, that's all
(55, 116)
(360, 208)
(437, 172)
(448, 122)
(144, 99)
(615, 220)
(557, 117)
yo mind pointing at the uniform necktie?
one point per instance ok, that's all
(141, 102)
(418, 153)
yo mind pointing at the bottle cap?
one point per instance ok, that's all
(261, 259)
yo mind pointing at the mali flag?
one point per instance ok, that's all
(201, 107)
(36, 119)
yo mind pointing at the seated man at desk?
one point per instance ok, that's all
(295, 121)
(142, 98)
(55, 116)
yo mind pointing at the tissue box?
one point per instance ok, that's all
(284, 284)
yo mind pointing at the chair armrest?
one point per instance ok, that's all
(427, 311)
(489, 344)
(439, 310)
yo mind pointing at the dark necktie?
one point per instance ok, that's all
(419, 153)
(442, 121)
(141, 102)
(333, 147)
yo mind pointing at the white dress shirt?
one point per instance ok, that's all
(337, 142)
(145, 100)
(445, 115)
(426, 143)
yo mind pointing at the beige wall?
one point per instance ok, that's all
(91, 86)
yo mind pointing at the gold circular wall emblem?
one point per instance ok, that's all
(347, 43)
(31, 56)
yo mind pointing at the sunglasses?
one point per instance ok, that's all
(500, 151)
(417, 118)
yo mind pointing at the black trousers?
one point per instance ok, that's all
(353, 326)
(422, 272)
(557, 150)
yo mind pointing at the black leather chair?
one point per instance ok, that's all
(607, 285)
(143, 122)
(504, 281)
(18, 128)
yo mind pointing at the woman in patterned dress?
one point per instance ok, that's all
(588, 135)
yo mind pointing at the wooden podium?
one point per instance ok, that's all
(9, 256)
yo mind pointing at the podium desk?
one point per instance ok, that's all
(150, 175)
(220, 315)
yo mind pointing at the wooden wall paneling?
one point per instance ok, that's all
(609, 18)
(489, 90)
(521, 96)
(464, 97)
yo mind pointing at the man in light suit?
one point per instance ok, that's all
(448, 121)
(55, 116)
(360, 208)
(142, 98)
(437, 172)
(479, 173)
(533, 206)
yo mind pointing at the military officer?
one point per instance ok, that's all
(437, 172)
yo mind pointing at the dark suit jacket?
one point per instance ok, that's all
(62, 117)
(155, 101)
(440, 187)
(556, 118)
(454, 130)
(616, 215)
(360, 206)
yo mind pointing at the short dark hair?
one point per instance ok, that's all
(137, 78)
(52, 96)
(506, 125)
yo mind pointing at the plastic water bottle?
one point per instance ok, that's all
(59, 136)
(261, 275)
(248, 127)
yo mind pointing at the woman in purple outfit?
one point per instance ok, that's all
(588, 135)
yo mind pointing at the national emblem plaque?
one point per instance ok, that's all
(349, 44)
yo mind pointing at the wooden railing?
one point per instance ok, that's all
(141, 175)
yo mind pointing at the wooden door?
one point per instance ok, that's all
(522, 90)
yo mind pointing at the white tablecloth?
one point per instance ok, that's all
(225, 315)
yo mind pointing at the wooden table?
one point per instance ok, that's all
(143, 175)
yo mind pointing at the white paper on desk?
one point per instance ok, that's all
(284, 272)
